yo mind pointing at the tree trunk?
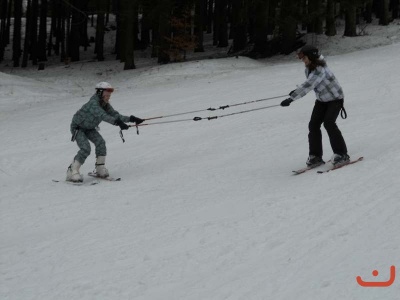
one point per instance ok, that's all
(368, 12)
(221, 15)
(58, 15)
(395, 8)
(315, 12)
(261, 26)
(330, 18)
(145, 28)
(376, 8)
(199, 21)
(116, 10)
(3, 22)
(100, 26)
(26, 51)
(17, 32)
(34, 32)
(350, 28)
(385, 17)
(164, 32)
(53, 27)
(288, 26)
(210, 16)
(63, 54)
(216, 22)
(42, 32)
(8, 24)
(239, 24)
(74, 38)
(129, 32)
(84, 18)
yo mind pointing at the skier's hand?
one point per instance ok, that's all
(286, 102)
(136, 120)
(290, 94)
(121, 124)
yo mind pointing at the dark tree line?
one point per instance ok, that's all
(42, 28)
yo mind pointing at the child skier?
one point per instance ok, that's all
(84, 129)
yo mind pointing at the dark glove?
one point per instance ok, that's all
(286, 102)
(136, 120)
(121, 124)
(290, 94)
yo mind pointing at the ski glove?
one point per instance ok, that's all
(121, 124)
(286, 102)
(136, 120)
(290, 94)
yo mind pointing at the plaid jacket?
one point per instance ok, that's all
(324, 83)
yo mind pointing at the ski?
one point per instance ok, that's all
(308, 168)
(93, 174)
(341, 165)
(93, 182)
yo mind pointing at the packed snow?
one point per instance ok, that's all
(205, 209)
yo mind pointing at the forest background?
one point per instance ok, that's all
(34, 30)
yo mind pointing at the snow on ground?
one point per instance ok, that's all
(206, 209)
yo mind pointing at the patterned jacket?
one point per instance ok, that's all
(324, 83)
(93, 113)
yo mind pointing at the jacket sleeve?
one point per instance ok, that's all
(116, 115)
(99, 113)
(314, 78)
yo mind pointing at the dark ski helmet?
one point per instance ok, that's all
(310, 51)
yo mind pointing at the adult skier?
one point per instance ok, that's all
(84, 128)
(327, 107)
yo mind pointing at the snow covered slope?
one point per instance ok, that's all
(207, 209)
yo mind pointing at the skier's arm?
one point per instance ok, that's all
(116, 115)
(312, 81)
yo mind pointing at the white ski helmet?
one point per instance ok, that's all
(104, 86)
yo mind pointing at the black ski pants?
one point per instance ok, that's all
(326, 113)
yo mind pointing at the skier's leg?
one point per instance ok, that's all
(314, 126)
(335, 136)
(101, 152)
(98, 141)
(84, 151)
(84, 147)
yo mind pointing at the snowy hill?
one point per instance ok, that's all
(206, 209)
